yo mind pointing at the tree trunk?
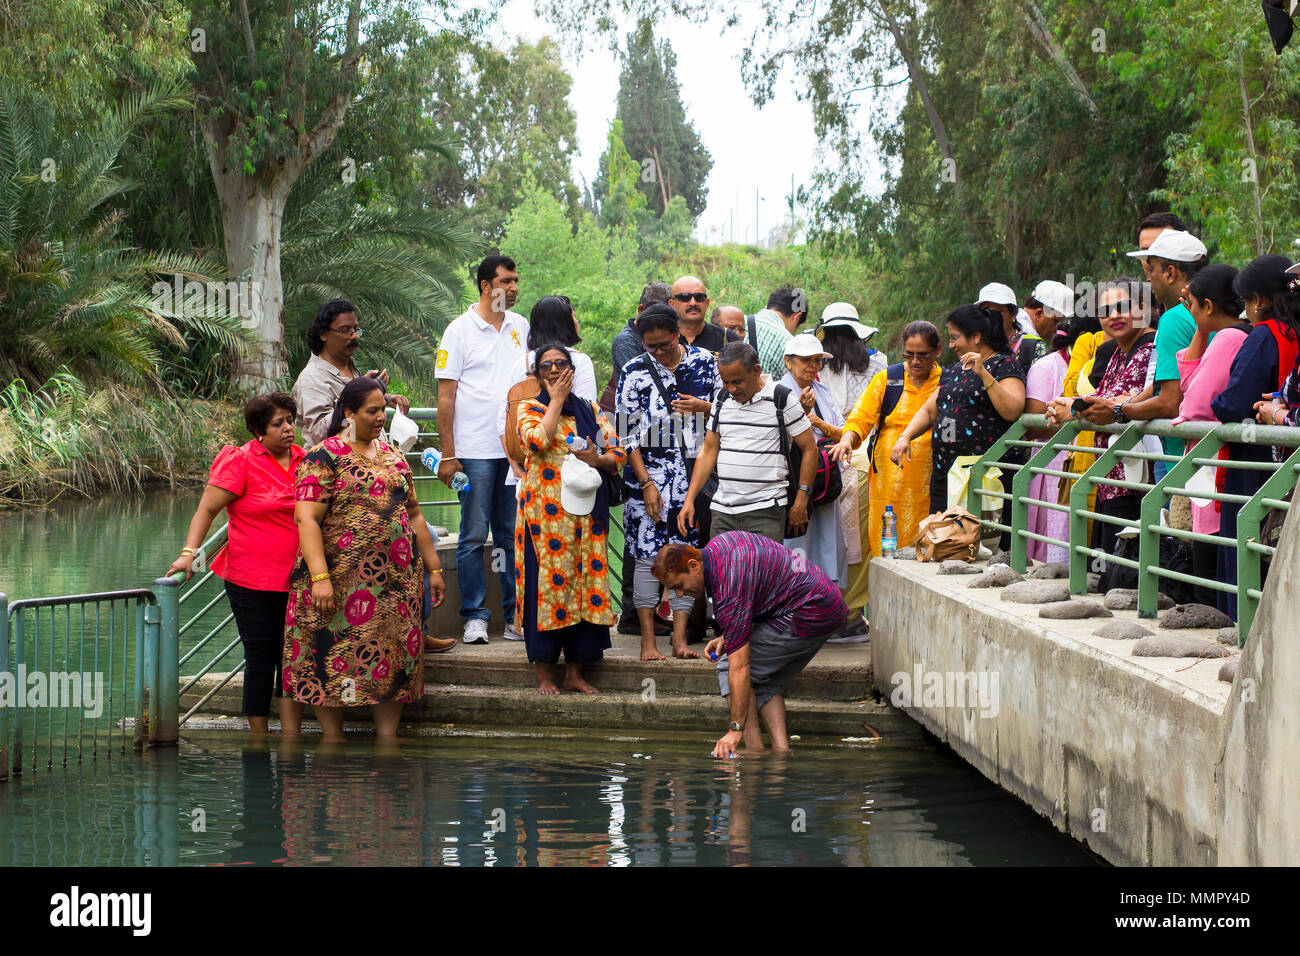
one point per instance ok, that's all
(252, 212)
(1037, 24)
(1257, 207)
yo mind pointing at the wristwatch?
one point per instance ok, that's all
(735, 728)
(806, 488)
(1118, 412)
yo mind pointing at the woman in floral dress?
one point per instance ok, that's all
(561, 559)
(353, 633)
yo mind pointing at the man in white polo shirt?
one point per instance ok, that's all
(744, 441)
(475, 357)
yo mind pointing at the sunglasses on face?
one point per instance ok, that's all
(917, 356)
(688, 296)
(661, 347)
(558, 365)
(1122, 307)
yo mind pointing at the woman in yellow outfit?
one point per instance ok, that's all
(1081, 367)
(906, 488)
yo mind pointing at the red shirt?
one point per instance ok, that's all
(263, 539)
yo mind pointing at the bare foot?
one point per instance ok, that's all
(649, 652)
(580, 685)
(683, 652)
(547, 686)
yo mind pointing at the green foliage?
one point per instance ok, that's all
(509, 113)
(399, 265)
(596, 267)
(72, 293)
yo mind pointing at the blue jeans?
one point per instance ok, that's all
(489, 501)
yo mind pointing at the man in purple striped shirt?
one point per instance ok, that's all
(774, 610)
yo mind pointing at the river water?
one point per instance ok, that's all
(456, 798)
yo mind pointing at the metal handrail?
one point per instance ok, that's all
(1208, 438)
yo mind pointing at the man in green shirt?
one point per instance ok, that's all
(786, 310)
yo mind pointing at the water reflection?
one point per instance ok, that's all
(505, 801)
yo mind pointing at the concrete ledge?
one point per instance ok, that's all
(1119, 752)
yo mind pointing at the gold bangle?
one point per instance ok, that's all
(324, 575)
(438, 571)
(190, 552)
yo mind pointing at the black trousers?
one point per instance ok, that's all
(1103, 533)
(259, 615)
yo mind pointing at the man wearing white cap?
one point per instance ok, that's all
(1169, 262)
(1026, 346)
(1047, 305)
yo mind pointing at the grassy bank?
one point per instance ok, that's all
(63, 439)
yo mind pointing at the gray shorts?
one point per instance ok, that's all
(775, 659)
(645, 589)
(769, 522)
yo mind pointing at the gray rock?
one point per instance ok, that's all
(1001, 557)
(1094, 582)
(1123, 631)
(1047, 572)
(1194, 615)
(1073, 610)
(1228, 635)
(1037, 592)
(905, 554)
(958, 567)
(1169, 645)
(996, 576)
(1228, 670)
(1126, 599)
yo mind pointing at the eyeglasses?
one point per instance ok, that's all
(1122, 307)
(661, 347)
(688, 296)
(558, 364)
(348, 331)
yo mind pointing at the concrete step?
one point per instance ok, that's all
(838, 672)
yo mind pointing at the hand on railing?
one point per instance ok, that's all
(184, 563)
(1266, 411)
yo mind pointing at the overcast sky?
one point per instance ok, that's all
(737, 134)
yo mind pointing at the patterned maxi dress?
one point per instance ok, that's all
(370, 650)
(570, 555)
(907, 488)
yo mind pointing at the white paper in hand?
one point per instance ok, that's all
(403, 431)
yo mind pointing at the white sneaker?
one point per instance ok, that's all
(513, 633)
(475, 632)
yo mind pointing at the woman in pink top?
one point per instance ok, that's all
(1203, 369)
(254, 483)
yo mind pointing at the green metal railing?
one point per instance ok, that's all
(1208, 438)
(77, 671)
(203, 606)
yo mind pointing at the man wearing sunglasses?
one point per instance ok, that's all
(691, 302)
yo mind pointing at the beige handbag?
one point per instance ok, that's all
(948, 535)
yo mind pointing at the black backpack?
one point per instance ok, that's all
(893, 392)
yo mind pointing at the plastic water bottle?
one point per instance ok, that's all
(432, 458)
(889, 537)
(576, 443)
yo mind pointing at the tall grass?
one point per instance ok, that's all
(61, 438)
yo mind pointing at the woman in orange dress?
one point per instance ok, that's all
(561, 560)
(906, 488)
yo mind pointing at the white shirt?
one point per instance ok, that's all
(752, 473)
(584, 386)
(479, 358)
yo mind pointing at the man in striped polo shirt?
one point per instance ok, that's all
(774, 611)
(744, 443)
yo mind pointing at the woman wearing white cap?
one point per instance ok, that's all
(823, 541)
(561, 560)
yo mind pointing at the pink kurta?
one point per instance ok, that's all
(1203, 379)
(1046, 381)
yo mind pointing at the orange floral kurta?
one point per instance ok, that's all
(572, 560)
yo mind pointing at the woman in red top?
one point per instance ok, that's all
(254, 483)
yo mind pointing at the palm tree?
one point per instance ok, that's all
(398, 265)
(73, 294)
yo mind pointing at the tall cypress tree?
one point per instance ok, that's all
(656, 132)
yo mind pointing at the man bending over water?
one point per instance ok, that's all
(774, 611)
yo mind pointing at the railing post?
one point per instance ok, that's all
(165, 730)
(1249, 560)
(146, 672)
(1107, 458)
(1041, 458)
(4, 669)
